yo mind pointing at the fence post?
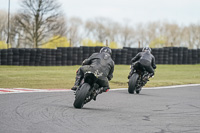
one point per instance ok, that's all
(106, 42)
(138, 44)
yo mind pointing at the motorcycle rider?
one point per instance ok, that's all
(100, 63)
(143, 59)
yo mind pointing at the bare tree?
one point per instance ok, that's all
(172, 34)
(4, 28)
(97, 29)
(194, 40)
(141, 34)
(3, 25)
(39, 20)
(74, 26)
(112, 30)
(127, 35)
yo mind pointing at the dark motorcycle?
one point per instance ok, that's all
(88, 90)
(137, 80)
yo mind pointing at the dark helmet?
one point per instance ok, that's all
(146, 48)
(106, 50)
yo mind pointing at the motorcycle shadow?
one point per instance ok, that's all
(141, 94)
(95, 109)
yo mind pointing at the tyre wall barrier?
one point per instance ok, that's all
(63, 56)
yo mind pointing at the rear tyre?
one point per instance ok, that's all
(81, 95)
(132, 83)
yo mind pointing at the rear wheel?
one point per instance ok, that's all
(81, 95)
(132, 83)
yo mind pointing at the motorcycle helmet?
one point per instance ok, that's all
(106, 50)
(146, 48)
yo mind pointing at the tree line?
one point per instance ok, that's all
(40, 22)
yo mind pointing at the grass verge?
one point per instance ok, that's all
(57, 77)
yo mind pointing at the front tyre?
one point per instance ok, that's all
(132, 83)
(81, 95)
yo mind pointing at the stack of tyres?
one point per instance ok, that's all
(32, 57)
(86, 52)
(80, 56)
(53, 57)
(198, 51)
(175, 55)
(43, 57)
(91, 50)
(161, 56)
(4, 56)
(189, 56)
(97, 49)
(21, 56)
(59, 57)
(9, 57)
(170, 57)
(135, 51)
(185, 56)
(70, 56)
(15, 56)
(124, 56)
(180, 55)
(155, 54)
(139, 50)
(38, 57)
(165, 55)
(129, 55)
(75, 56)
(118, 56)
(64, 55)
(114, 54)
(48, 57)
(194, 56)
(27, 55)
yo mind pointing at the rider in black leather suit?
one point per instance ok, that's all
(100, 63)
(144, 59)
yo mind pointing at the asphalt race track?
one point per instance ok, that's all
(169, 110)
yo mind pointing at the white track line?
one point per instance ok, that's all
(162, 87)
(28, 90)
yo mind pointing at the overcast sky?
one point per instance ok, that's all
(179, 11)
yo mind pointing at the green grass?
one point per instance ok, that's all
(64, 76)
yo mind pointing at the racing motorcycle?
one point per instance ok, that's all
(137, 80)
(88, 89)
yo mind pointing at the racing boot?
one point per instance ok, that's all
(76, 85)
(131, 73)
(101, 90)
(78, 81)
(151, 75)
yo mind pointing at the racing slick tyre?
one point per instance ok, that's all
(132, 83)
(81, 95)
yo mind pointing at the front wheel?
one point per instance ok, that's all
(132, 83)
(81, 95)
